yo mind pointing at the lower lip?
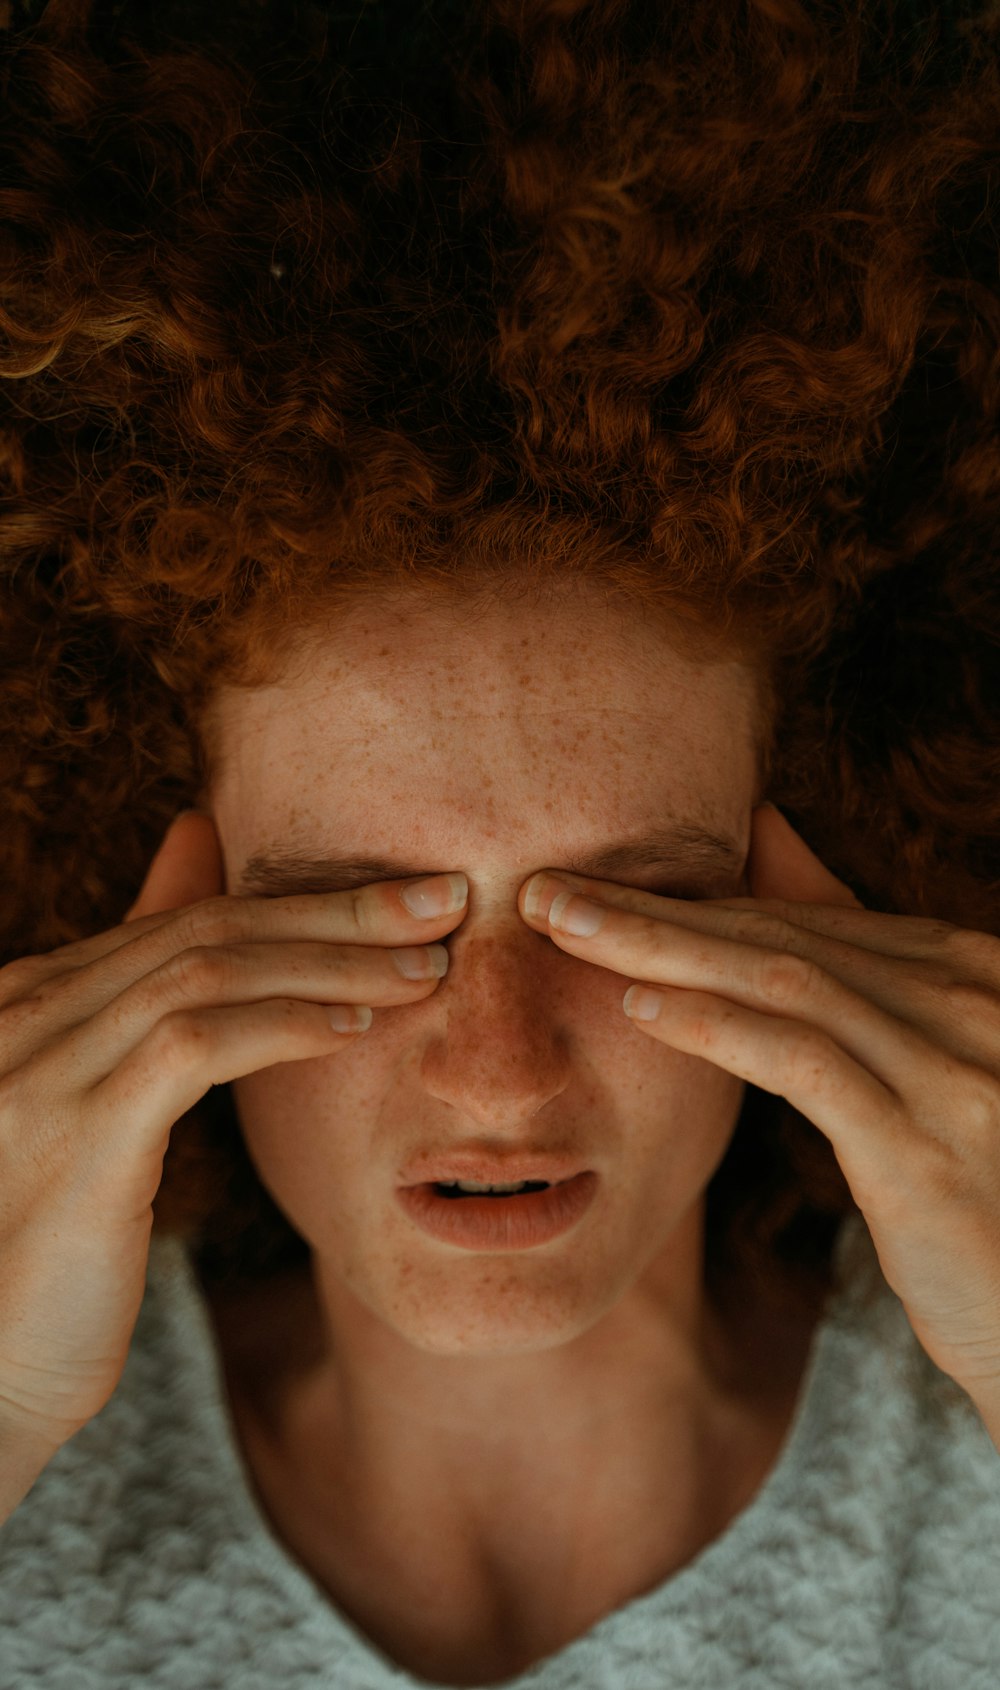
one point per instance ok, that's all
(500, 1223)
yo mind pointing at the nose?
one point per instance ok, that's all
(498, 1052)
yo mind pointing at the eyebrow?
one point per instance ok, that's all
(700, 858)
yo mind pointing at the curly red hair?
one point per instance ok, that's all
(696, 302)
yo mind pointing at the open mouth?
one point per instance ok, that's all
(456, 1189)
(517, 1216)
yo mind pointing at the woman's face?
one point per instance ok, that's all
(496, 745)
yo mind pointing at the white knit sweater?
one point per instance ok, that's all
(870, 1556)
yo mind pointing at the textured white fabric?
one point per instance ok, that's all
(870, 1556)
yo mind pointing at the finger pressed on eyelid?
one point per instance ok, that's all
(539, 887)
(574, 914)
(438, 894)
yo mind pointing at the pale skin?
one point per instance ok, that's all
(481, 1455)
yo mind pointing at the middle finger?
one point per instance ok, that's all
(736, 947)
(205, 975)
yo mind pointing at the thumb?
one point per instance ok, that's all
(187, 867)
(782, 865)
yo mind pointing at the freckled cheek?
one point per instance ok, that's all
(664, 1095)
(592, 1008)
(294, 1112)
(688, 1107)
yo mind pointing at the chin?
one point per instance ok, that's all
(499, 1310)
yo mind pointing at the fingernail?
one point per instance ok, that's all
(439, 894)
(583, 919)
(421, 962)
(642, 1004)
(349, 1017)
(533, 895)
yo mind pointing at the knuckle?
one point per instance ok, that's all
(215, 921)
(359, 904)
(964, 1006)
(808, 1063)
(20, 976)
(977, 952)
(972, 1007)
(943, 1169)
(178, 1036)
(786, 979)
(27, 1020)
(770, 928)
(702, 1029)
(966, 1112)
(24, 1024)
(776, 911)
(934, 930)
(200, 972)
(982, 1110)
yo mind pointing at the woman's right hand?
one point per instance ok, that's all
(104, 1044)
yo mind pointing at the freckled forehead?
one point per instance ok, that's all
(495, 698)
(423, 739)
(584, 660)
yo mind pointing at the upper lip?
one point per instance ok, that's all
(491, 1170)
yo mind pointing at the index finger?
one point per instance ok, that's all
(373, 914)
(904, 936)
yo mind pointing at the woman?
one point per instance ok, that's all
(508, 455)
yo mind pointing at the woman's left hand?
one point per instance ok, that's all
(884, 1030)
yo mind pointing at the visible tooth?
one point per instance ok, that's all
(473, 1185)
